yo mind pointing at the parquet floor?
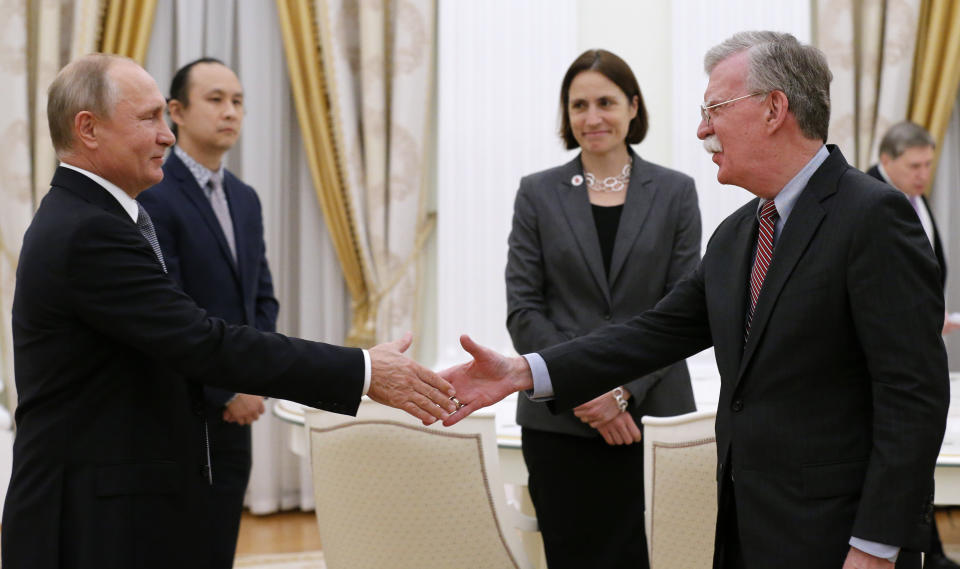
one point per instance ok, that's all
(286, 532)
(948, 522)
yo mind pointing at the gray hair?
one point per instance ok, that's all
(903, 136)
(82, 85)
(778, 62)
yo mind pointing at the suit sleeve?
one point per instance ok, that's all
(684, 257)
(897, 309)
(167, 225)
(530, 327)
(143, 310)
(267, 306)
(676, 328)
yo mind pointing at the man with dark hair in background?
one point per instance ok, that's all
(210, 229)
(906, 163)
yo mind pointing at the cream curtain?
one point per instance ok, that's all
(365, 113)
(937, 70)
(869, 45)
(46, 60)
(38, 38)
(932, 104)
(126, 29)
(50, 50)
(15, 172)
(308, 80)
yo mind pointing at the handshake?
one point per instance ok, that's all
(448, 395)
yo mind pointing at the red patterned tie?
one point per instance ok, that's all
(768, 220)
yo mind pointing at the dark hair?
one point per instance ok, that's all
(615, 69)
(180, 85)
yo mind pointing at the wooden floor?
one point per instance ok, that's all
(297, 531)
(948, 523)
(278, 533)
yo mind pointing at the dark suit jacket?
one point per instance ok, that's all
(198, 257)
(558, 288)
(937, 244)
(108, 453)
(832, 414)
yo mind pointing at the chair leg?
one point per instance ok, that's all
(532, 541)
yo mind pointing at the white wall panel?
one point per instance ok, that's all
(500, 63)
(699, 25)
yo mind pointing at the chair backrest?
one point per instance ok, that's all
(391, 492)
(680, 486)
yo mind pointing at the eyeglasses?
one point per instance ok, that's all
(705, 108)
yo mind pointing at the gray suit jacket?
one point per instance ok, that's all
(557, 289)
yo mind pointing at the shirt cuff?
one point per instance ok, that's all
(888, 552)
(366, 372)
(542, 386)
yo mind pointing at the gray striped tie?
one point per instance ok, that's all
(145, 225)
(218, 201)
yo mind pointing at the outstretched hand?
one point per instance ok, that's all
(486, 379)
(400, 382)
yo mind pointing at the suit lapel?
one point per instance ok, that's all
(86, 188)
(576, 208)
(795, 238)
(937, 243)
(194, 195)
(640, 196)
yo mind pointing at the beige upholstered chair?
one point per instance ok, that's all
(680, 466)
(391, 493)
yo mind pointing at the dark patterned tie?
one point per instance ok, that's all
(145, 225)
(768, 221)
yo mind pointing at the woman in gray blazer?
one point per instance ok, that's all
(594, 242)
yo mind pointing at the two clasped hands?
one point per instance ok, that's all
(451, 394)
(448, 395)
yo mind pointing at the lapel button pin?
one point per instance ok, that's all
(576, 180)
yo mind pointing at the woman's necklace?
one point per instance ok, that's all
(610, 183)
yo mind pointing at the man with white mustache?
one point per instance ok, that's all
(823, 303)
(712, 144)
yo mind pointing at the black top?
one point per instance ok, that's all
(607, 220)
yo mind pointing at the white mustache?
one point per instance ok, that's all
(712, 144)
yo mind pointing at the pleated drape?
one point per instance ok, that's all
(869, 45)
(15, 173)
(936, 74)
(36, 45)
(378, 62)
(126, 28)
(308, 82)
